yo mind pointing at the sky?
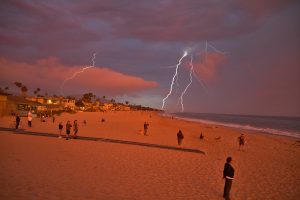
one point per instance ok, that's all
(243, 57)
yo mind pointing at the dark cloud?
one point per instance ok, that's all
(144, 38)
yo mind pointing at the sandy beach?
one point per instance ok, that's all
(37, 166)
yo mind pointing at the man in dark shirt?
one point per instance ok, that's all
(228, 174)
(18, 119)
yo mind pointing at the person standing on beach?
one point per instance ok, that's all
(18, 119)
(68, 129)
(146, 128)
(60, 127)
(75, 128)
(228, 174)
(53, 119)
(29, 117)
(179, 137)
(241, 140)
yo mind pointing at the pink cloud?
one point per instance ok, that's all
(206, 66)
(49, 74)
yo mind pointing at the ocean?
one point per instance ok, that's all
(285, 126)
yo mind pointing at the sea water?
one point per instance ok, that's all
(285, 126)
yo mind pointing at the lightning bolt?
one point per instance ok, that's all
(188, 85)
(78, 72)
(192, 73)
(174, 77)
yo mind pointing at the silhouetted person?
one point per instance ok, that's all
(68, 129)
(18, 119)
(146, 125)
(201, 136)
(179, 137)
(53, 118)
(241, 140)
(228, 174)
(60, 127)
(84, 122)
(75, 128)
(29, 117)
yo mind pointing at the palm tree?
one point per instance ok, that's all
(24, 90)
(18, 84)
(127, 102)
(36, 92)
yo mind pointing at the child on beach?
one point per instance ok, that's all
(241, 140)
(179, 138)
(68, 129)
(60, 127)
(75, 128)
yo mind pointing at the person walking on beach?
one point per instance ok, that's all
(29, 117)
(75, 128)
(68, 129)
(146, 128)
(18, 119)
(228, 174)
(179, 137)
(201, 136)
(60, 127)
(241, 140)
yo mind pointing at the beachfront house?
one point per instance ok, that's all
(17, 105)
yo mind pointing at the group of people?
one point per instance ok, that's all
(68, 129)
(29, 120)
(228, 171)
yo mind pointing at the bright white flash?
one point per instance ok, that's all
(188, 85)
(174, 77)
(191, 74)
(78, 72)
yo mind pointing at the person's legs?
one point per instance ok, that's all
(75, 134)
(68, 133)
(179, 142)
(227, 187)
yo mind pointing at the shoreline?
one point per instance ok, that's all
(251, 129)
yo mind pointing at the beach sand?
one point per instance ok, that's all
(39, 167)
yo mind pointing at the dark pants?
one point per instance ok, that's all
(68, 134)
(29, 123)
(17, 125)
(227, 187)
